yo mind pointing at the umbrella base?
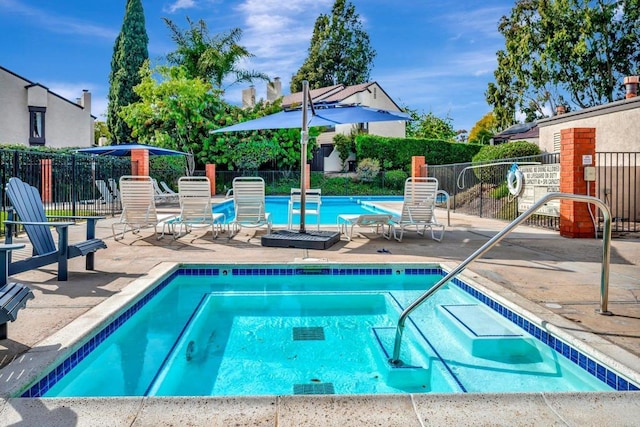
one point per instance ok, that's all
(295, 239)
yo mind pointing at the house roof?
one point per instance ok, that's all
(332, 94)
(32, 84)
(517, 132)
(316, 94)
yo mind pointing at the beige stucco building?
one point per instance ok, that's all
(617, 126)
(32, 115)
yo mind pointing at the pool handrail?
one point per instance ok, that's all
(604, 277)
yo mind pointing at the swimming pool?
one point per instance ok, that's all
(332, 206)
(171, 321)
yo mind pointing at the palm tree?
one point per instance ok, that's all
(212, 58)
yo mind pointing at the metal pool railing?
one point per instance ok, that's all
(604, 279)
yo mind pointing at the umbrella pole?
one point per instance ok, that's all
(304, 139)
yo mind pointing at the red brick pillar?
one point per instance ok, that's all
(210, 171)
(575, 219)
(417, 165)
(307, 176)
(45, 173)
(141, 157)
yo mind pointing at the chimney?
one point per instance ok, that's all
(85, 101)
(631, 84)
(561, 109)
(249, 97)
(274, 89)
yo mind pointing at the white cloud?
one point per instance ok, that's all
(56, 23)
(278, 34)
(179, 4)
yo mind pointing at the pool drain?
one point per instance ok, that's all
(320, 388)
(312, 333)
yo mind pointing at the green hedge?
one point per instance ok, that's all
(510, 150)
(396, 153)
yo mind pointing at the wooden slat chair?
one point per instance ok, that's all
(27, 205)
(249, 204)
(13, 296)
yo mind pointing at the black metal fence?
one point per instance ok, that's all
(618, 185)
(66, 182)
(481, 189)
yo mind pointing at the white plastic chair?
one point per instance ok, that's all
(249, 204)
(418, 209)
(194, 194)
(313, 201)
(347, 222)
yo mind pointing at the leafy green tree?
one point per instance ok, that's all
(179, 112)
(430, 126)
(560, 52)
(484, 129)
(339, 51)
(129, 53)
(100, 129)
(212, 58)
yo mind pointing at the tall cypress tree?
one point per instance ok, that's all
(339, 52)
(129, 54)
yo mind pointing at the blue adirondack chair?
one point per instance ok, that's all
(13, 296)
(27, 205)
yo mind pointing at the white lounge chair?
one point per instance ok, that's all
(105, 193)
(113, 187)
(418, 209)
(167, 190)
(347, 222)
(249, 204)
(194, 194)
(138, 205)
(161, 196)
(313, 201)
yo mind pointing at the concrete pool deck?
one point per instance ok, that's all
(554, 277)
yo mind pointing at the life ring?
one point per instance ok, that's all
(514, 181)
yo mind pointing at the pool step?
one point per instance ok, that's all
(409, 376)
(486, 334)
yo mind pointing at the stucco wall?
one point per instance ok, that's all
(617, 126)
(67, 124)
(14, 120)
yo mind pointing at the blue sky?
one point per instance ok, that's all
(432, 56)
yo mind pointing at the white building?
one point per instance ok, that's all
(368, 94)
(32, 115)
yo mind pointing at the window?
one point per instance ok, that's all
(36, 125)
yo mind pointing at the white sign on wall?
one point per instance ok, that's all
(538, 180)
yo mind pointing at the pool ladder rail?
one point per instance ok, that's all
(604, 277)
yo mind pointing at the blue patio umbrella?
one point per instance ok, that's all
(320, 115)
(125, 150)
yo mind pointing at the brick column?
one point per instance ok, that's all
(210, 171)
(45, 173)
(575, 220)
(141, 157)
(417, 164)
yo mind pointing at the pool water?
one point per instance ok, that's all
(332, 206)
(281, 330)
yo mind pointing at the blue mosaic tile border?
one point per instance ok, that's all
(42, 386)
(311, 270)
(585, 362)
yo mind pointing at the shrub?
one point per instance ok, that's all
(491, 153)
(395, 179)
(368, 170)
